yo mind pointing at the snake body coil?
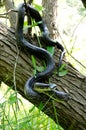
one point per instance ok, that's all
(40, 52)
(45, 32)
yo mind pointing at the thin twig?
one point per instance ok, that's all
(77, 60)
(15, 66)
(14, 75)
(78, 25)
(11, 10)
(75, 31)
(5, 17)
(70, 54)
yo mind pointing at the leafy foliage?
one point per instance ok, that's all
(17, 114)
(62, 70)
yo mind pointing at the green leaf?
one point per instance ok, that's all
(32, 109)
(40, 68)
(33, 61)
(12, 99)
(34, 64)
(41, 105)
(32, 25)
(51, 49)
(62, 67)
(63, 72)
(38, 7)
(25, 23)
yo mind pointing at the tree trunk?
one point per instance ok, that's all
(50, 14)
(12, 16)
(84, 3)
(72, 114)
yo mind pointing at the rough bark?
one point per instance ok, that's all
(50, 14)
(12, 16)
(71, 114)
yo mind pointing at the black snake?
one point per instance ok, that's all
(39, 52)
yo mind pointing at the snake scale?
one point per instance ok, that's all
(29, 89)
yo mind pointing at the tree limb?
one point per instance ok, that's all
(70, 114)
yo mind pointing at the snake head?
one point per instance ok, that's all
(50, 90)
(61, 95)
